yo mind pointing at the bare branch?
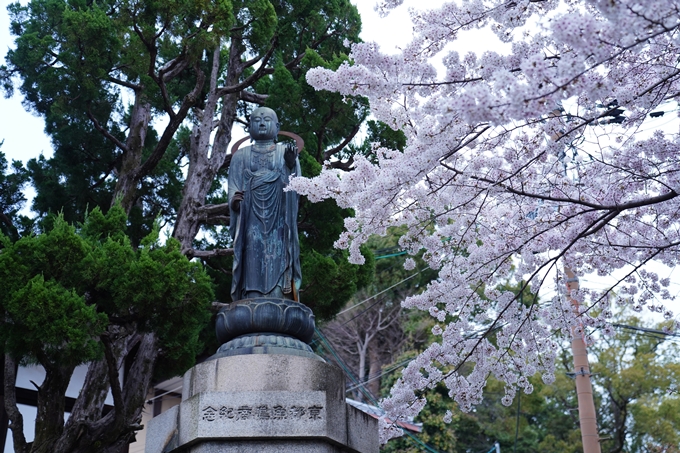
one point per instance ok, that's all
(217, 220)
(188, 102)
(346, 166)
(255, 76)
(125, 83)
(172, 68)
(328, 154)
(211, 209)
(217, 306)
(106, 133)
(113, 376)
(255, 98)
(203, 254)
(213, 214)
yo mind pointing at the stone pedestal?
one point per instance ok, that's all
(264, 403)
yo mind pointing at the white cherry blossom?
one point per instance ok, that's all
(517, 164)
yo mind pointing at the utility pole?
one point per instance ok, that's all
(584, 388)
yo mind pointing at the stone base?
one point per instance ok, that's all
(263, 403)
(265, 343)
(281, 446)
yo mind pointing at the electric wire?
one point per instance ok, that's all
(644, 329)
(382, 373)
(365, 311)
(390, 255)
(381, 292)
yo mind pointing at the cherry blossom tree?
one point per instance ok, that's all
(517, 163)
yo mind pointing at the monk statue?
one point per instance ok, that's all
(263, 216)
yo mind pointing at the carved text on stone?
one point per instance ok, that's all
(262, 412)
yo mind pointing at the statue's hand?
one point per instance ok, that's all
(290, 155)
(236, 200)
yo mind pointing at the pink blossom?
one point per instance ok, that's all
(515, 166)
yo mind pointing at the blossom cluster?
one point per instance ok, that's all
(517, 164)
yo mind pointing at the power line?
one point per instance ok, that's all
(382, 373)
(390, 255)
(381, 292)
(644, 329)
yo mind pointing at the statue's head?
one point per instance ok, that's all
(264, 124)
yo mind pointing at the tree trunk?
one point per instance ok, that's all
(362, 347)
(374, 368)
(205, 161)
(86, 426)
(49, 422)
(10, 399)
(128, 175)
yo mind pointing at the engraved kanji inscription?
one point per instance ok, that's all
(315, 412)
(227, 412)
(262, 412)
(279, 413)
(297, 411)
(244, 412)
(209, 414)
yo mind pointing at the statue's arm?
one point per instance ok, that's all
(235, 189)
(290, 156)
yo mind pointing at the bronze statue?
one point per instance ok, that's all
(263, 221)
(265, 316)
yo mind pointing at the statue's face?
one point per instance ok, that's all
(264, 124)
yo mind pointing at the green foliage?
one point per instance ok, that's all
(11, 196)
(63, 289)
(635, 370)
(105, 46)
(330, 280)
(386, 136)
(632, 374)
(262, 15)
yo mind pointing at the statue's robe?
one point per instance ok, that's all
(264, 230)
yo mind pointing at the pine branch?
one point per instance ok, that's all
(255, 98)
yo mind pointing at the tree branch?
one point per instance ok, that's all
(116, 391)
(255, 98)
(217, 306)
(188, 102)
(217, 220)
(172, 68)
(254, 77)
(328, 154)
(211, 209)
(126, 84)
(106, 133)
(346, 166)
(213, 214)
(15, 417)
(203, 254)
